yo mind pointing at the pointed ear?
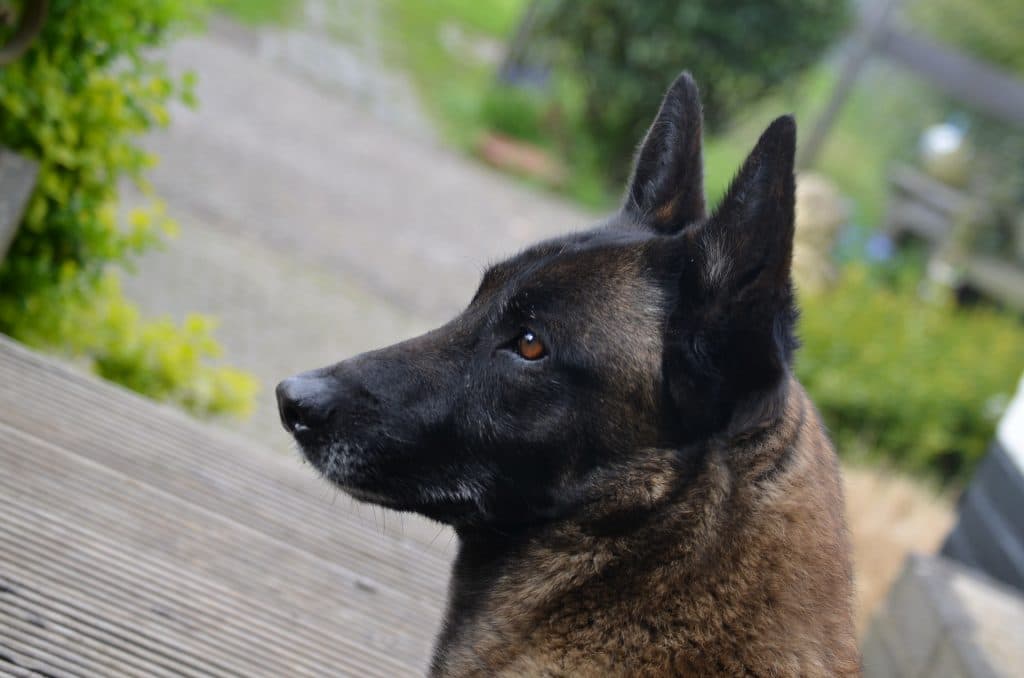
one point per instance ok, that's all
(731, 333)
(748, 241)
(667, 188)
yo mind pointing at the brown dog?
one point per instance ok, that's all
(639, 484)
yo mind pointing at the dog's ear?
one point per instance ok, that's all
(746, 246)
(666, 191)
(731, 333)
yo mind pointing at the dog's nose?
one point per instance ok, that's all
(304, 402)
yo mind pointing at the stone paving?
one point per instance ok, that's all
(312, 227)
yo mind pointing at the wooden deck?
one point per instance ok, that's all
(137, 542)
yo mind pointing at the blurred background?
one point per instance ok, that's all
(202, 197)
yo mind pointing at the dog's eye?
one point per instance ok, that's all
(529, 346)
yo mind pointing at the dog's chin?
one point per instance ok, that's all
(442, 508)
(341, 465)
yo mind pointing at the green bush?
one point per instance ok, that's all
(919, 385)
(517, 112)
(77, 102)
(626, 53)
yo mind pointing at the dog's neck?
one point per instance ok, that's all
(663, 534)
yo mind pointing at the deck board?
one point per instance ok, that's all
(135, 541)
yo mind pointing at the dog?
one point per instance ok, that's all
(638, 483)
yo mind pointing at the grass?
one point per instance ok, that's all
(259, 12)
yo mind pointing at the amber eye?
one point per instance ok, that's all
(529, 346)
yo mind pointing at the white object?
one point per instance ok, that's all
(946, 153)
(1011, 428)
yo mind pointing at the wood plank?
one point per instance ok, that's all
(998, 279)
(79, 557)
(984, 87)
(144, 543)
(10, 670)
(932, 192)
(185, 606)
(47, 640)
(361, 556)
(252, 563)
(80, 554)
(31, 652)
(45, 474)
(252, 486)
(914, 217)
(132, 636)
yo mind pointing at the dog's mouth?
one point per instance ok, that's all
(392, 480)
(341, 464)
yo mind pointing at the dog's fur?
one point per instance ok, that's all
(653, 496)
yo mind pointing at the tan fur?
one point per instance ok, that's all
(741, 569)
(665, 213)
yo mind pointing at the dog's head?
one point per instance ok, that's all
(654, 331)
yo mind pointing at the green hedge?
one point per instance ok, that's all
(77, 102)
(916, 384)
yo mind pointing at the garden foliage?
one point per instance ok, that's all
(913, 383)
(625, 54)
(77, 102)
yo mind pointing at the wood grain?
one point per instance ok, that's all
(137, 542)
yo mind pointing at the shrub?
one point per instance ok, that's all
(76, 102)
(517, 112)
(919, 385)
(626, 53)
